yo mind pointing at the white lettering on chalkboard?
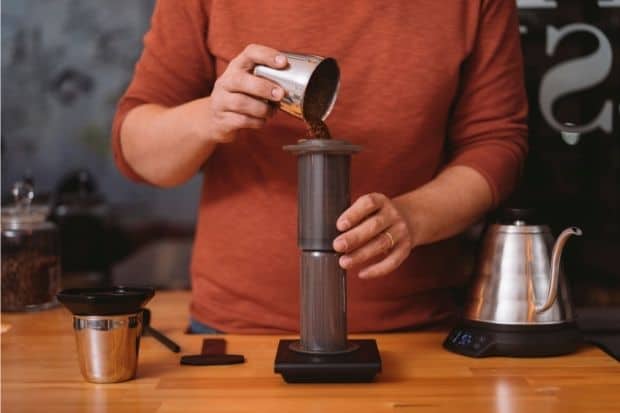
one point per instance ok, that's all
(576, 75)
(553, 4)
(537, 4)
(608, 3)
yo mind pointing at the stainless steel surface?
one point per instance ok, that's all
(304, 76)
(108, 346)
(323, 315)
(513, 278)
(556, 257)
(323, 190)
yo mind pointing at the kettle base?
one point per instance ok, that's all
(481, 339)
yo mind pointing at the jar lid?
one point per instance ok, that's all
(23, 212)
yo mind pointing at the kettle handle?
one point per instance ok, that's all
(556, 256)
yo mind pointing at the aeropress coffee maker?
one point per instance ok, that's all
(323, 352)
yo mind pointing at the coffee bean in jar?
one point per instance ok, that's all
(30, 255)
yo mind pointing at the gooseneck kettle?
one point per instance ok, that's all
(519, 302)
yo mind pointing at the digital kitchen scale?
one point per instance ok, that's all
(478, 339)
(357, 366)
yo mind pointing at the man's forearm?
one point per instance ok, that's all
(457, 198)
(166, 146)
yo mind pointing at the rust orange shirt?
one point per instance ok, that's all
(424, 84)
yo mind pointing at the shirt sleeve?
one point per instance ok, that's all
(488, 129)
(175, 66)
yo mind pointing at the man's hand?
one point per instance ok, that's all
(377, 232)
(239, 99)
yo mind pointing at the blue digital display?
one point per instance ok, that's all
(470, 342)
(466, 338)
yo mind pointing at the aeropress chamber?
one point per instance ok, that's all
(323, 352)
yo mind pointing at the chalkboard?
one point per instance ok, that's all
(572, 67)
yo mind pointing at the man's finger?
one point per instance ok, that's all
(388, 264)
(239, 121)
(246, 105)
(362, 233)
(376, 247)
(364, 206)
(254, 86)
(255, 54)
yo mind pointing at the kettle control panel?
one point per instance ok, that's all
(469, 341)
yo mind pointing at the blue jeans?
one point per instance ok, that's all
(196, 327)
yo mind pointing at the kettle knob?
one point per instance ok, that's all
(518, 216)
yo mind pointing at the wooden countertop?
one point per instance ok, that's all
(40, 374)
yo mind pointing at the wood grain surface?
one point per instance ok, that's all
(40, 374)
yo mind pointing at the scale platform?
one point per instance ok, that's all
(359, 366)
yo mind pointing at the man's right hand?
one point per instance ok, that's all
(239, 99)
(167, 145)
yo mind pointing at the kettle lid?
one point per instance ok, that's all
(518, 216)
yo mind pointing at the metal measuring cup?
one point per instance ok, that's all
(310, 83)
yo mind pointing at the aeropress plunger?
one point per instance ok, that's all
(323, 353)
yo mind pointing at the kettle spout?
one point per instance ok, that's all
(556, 257)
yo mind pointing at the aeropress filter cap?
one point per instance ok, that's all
(105, 301)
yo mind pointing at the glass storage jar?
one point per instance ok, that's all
(30, 255)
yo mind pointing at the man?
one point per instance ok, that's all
(433, 93)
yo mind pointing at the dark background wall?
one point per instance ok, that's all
(66, 62)
(572, 58)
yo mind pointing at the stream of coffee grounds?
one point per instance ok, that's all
(317, 129)
(314, 109)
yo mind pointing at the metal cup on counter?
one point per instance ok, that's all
(108, 324)
(307, 78)
(108, 346)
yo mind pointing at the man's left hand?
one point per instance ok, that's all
(375, 233)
